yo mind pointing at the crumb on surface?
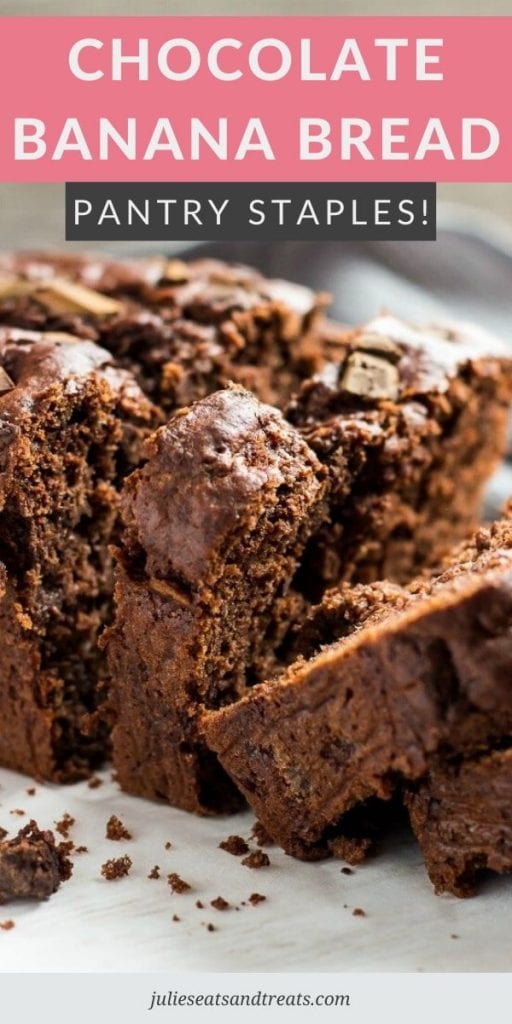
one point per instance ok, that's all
(256, 859)
(119, 867)
(7, 925)
(358, 912)
(211, 927)
(347, 871)
(176, 918)
(66, 847)
(199, 905)
(178, 884)
(168, 846)
(31, 791)
(95, 782)
(81, 849)
(18, 811)
(32, 866)
(115, 829)
(65, 824)
(155, 872)
(260, 835)
(255, 898)
(454, 936)
(219, 903)
(235, 845)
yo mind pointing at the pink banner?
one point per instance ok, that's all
(248, 99)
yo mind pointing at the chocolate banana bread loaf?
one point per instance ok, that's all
(418, 672)
(184, 329)
(215, 523)
(71, 425)
(410, 422)
(462, 817)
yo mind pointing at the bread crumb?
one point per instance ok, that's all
(18, 811)
(256, 859)
(31, 791)
(168, 846)
(235, 845)
(358, 912)
(219, 903)
(256, 898)
(7, 925)
(119, 867)
(260, 835)
(177, 884)
(81, 849)
(347, 871)
(115, 829)
(155, 872)
(199, 905)
(63, 826)
(176, 918)
(211, 927)
(95, 782)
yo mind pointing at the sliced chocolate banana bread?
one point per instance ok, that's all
(410, 424)
(418, 672)
(462, 818)
(215, 523)
(71, 425)
(184, 329)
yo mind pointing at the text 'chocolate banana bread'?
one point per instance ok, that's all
(71, 425)
(417, 672)
(215, 523)
(410, 423)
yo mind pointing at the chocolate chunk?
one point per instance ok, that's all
(6, 384)
(59, 295)
(176, 271)
(370, 376)
(379, 345)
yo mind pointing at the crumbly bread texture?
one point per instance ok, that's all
(184, 329)
(462, 817)
(215, 523)
(410, 422)
(31, 865)
(71, 425)
(419, 672)
(236, 521)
